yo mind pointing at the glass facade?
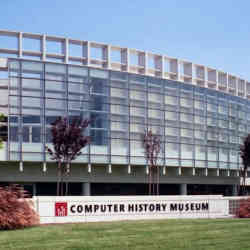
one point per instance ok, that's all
(199, 127)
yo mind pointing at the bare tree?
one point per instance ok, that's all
(152, 146)
(68, 139)
(245, 156)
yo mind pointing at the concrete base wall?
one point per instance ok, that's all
(34, 172)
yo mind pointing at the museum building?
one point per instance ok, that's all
(200, 113)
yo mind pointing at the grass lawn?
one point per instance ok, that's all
(171, 234)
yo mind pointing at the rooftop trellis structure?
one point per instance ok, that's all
(66, 50)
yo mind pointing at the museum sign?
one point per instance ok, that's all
(109, 208)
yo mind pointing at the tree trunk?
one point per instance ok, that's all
(62, 179)
(58, 178)
(153, 180)
(243, 182)
(158, 180)
(66, 179)
(62, 188)
(150, 181)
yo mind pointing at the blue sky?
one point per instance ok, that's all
(213, 33)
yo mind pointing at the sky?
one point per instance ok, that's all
(214, 33)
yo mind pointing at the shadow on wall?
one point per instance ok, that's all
(114, 189)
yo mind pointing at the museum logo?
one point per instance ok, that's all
(61, 209)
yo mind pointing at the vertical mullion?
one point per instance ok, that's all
(20, 124)
(146, 103)
(9, 86)
(30, 134)
(88, 116)
(164, 123)
(109, 116)
(129, 120)
(193, 129)
(179, 125)
(146, 109)
(205, 121)
(43, 120)
(8, 138)
(66, 82)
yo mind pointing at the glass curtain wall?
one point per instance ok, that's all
(198, 127)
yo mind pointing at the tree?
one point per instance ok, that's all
(68, 139)
(152, 146)
(245, 156)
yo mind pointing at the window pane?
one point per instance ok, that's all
(171, 100)
(99, 73)
(31, 102)
(79, 71)
(98, 137)
(98, 86)
(31, 83)
(55, 104)
(212, 154)
(119, 147)
(98, 103)
(32, 66)
(31, 119)
(55, 85)
(98, 120)
(55, 68)
(186, 151)
(186, 118)
(171, 115)
(186, 102)
(223, 154)
(172, 150)
(14, 134)
(26, 134)
(200, 152)
(36, 134)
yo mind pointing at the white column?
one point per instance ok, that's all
(129, 169)
(179, 170)
(86, 189)
(21, 166)
(34, 189)
(206, 172)
(179, 73)
(20, 44)
(127, 59)
(66, 50)
(164, 170)
(235, 190)
(162, 66)
(106, 56)
(44, 167)
(144, 61)
(89, 168)
(109, 169)
(183, 189)
(218, 172)
(193, 171)
(88, 53)
(43, 47)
